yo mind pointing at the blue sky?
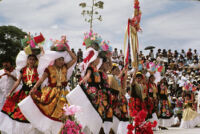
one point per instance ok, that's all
(169, 24)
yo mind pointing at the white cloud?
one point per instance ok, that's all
(54, 26)
(173, 30)
(161, 27)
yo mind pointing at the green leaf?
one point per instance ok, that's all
(101, 4)
(87, 42)
(83, 5)
(83, 12)
(100, 18)
(96, 5)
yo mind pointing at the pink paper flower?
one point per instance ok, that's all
(105, 47)
(32, 44)
(71, 110)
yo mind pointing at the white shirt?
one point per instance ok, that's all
(198, 108)
(127, 96)
(6, 84)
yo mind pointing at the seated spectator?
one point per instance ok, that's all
(121, 56)
(189, 54)
(115, 56)
(158, 52)
(151, 54)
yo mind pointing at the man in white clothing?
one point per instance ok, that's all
(7, 80)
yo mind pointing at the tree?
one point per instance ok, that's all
(92, 12)
(10, 43)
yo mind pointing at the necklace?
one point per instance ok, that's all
(29, 72)
(59, 77)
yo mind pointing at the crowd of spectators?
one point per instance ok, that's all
(178, 67)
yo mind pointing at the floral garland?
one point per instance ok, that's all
(71, 126)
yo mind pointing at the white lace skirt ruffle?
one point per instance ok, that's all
(10, 126)
(37, 118)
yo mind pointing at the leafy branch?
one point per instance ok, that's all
(90, 12)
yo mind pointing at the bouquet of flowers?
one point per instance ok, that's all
(71, 126)
(140, 126)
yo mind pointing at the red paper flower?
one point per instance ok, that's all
(130, 127)
(154, 124)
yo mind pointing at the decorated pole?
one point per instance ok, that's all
(131, 35)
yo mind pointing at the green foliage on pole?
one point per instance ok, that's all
(10, 43)
(90, 12)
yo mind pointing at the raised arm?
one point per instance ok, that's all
(74, 59)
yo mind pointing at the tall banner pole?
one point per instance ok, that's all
(132, 36)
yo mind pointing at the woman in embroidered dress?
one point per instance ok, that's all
(106, 95)
(119, 104)
(90, 93)
(12, 121)
(48, 103)
(190, 117)
(138, 94)
(165, 112)
(152, 100)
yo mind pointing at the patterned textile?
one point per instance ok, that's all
(119, 102)
(164, 109)
(11, 104)
(99, 94)
(51, 99)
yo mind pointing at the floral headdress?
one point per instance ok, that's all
(92, 40)
(60, 45)
(31, 44)
(105, 48)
